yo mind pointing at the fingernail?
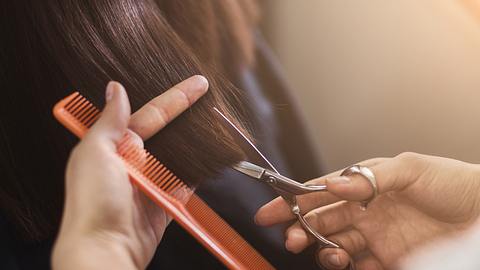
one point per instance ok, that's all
(110, 91)
(290, 246)
(339, 180)
(334, 260)
(201, 82)
(294, 239)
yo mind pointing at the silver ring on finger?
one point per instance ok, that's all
(366, 173)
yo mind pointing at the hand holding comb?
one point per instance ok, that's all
(166, 190)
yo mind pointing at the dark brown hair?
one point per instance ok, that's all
(54, 47)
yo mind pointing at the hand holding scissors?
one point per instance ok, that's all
(420, 199)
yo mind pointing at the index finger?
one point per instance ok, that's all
(158, 112)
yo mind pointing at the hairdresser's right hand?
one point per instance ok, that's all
(421, 198)
(108, 223)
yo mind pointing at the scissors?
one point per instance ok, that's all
(259, 168)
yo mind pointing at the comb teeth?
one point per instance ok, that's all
(148, 166)
(82, 110)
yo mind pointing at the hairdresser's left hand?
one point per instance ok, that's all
(107, 222)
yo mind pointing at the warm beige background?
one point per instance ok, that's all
(380, 77)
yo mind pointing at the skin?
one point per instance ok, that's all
(421, 199)
(107, 222)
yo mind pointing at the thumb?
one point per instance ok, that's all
(115, 117)
(394, 174)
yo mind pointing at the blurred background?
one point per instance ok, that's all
(377, 78)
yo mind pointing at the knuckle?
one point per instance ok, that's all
(316, 181)
(159, 114)
(339, 240)
(413, 161)
(411, 165)
(373, 161)
(344, 240)
(352, 241)
(409, 157)
(187, 99)
(316, 219)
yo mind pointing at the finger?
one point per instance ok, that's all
(368, 263)
(158, 112)
(352, 243)
(114, 119)
(325, 220)
(278, 211)
(392, 174)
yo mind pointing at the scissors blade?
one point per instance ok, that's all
(245, 144)
(282, 184)
(250, 169)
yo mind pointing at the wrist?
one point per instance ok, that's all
(91, 252)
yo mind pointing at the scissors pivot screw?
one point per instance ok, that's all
(271, 180)
(296, 210)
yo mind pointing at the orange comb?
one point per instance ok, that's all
(77, 114)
